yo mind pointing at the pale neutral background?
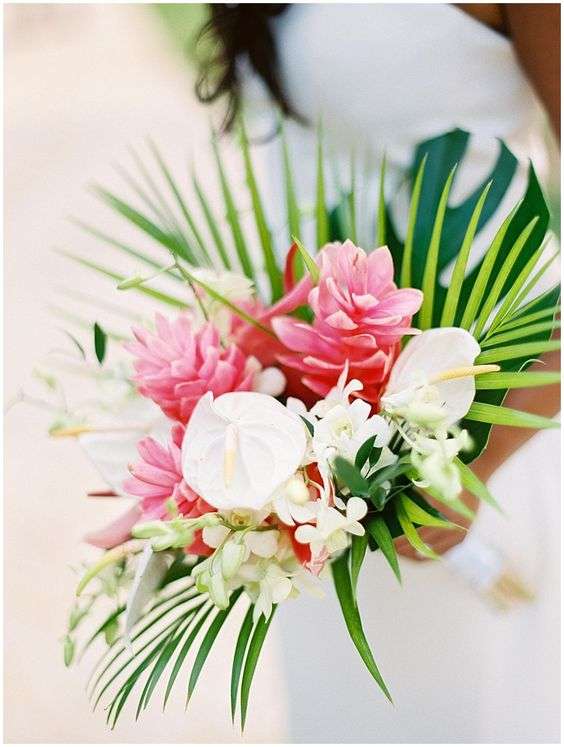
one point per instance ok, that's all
(82, 84)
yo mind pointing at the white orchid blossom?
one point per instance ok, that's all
(433, 459)
(292, 501)
(239, 449)
(330, 533)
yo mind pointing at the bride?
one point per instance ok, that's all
(393, 75)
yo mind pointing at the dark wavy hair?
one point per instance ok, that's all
(238, 31)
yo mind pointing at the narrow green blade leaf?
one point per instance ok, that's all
(474, 485)
(151, 292)
(418, 515)
(239, 656)
(486, 268)
(510, 352)
(180, 201)
(184, 652)
(381, 221)
(411, 533)
(358, 551)
(378, 529)
(519, 334)
(430, 272)
(351, 477)
(208, 641)
(343, 587)
(517, 379)
(212, 223)
(269, 256)
(498, 415)
(309, 262)
(493, 294)
(255, 646)
(406, 275)
(516, 309)
(523, 321)
(322, 221)
(233, 218)
(292, 209)
(100, 341)
(459, 272)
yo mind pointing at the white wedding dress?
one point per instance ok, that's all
(389, 76)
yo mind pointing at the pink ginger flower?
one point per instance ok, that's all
(360, 317)
(177, 364)
(157, 478)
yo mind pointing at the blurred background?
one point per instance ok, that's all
(84, 84)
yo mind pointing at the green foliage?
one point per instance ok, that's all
(100, 342)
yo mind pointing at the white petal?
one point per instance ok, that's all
(281, 589)
(431, 353)
(356, 509)
(270, 381)
(306, 534)
(214, 536)
(269, 445)
(263, 544)
(111, 454)
(151, 568)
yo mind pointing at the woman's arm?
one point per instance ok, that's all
(535, 32)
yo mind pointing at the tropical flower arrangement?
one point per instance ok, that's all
(269, 438)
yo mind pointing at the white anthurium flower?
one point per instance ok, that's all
(433, 459)
(292, 501)
(330, 533)
(432, 382)
(240, 448)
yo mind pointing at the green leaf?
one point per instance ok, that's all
(151, 292)
(430, 272)
(212, 223)
(486, 268)
(208, 641)
(351, 615)
(381, 221)
(184, 651)
(180, 201)
(270, 263)
(309, 262)
(351, 477)
(474, 485)
(100, 341)
(500, 279)
(378, 529)
(459, 272)
(364, 452)
(497, 415)
(359, 543)
(526, 319)
(418, 515)
(406, 279)
(322, 221)
(411, 533)
(519, 333)
(510, 352)
(68, 650)
(253, 653)
(517, 379)
(233, 218)
(239, 656)
(292, 209)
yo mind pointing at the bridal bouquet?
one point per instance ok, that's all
(276, 423)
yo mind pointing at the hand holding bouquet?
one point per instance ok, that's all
(304, 427)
